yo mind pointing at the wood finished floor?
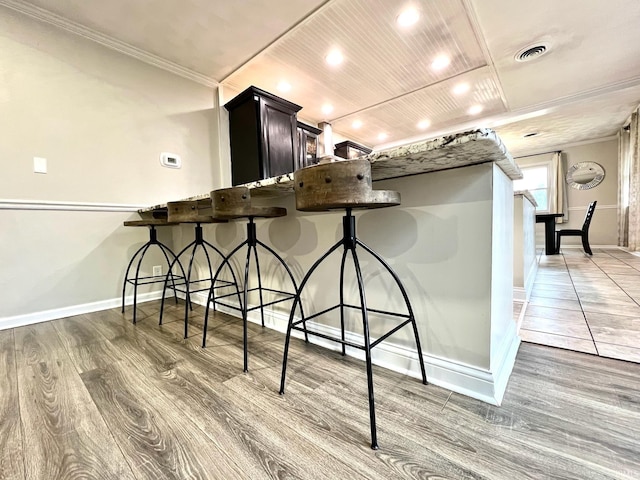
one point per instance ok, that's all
(586, 303)
(93, 396)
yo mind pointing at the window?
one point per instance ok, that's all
(536, 180)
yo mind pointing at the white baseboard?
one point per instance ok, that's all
(465, 379)
(503, 366)
(56, 313)
(579, 245)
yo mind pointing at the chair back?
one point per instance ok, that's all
(589, 216)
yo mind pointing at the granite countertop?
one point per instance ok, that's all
(527, 195)
(451, 151)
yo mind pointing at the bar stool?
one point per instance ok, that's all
(235, 203)
(347, 185)
(188, 211)
(140, 253)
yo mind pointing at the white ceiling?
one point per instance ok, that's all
(584, 88)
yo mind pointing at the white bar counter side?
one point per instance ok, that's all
(451, 242)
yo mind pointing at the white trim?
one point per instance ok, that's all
(519, 294)
(530, 280)
(465, 379)
(501, 370)
(599, 207)
(521, 316)
(16, 204)
(579, 245)
(63, 312)
(112, 43)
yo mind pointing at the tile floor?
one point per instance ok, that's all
(587, 304)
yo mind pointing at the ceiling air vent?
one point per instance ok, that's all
(531, 52)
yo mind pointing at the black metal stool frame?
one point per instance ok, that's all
(252, 243)
(350, 241)
(198, 241)
(135, 281)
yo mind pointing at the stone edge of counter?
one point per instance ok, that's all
(477, 146)
(527, 195)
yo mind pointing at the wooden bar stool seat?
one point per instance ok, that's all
(235, 203)
(347, 185)
(168, 254)
(191, 211)
(339, 185)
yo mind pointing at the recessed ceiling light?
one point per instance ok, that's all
(408, 17)
(424, 124)
(334, 57)
(327, 109)
(440, 62)
(284, 86)
(382, 136)
(356, 124)
(531, 134)
(461, 88)
(476, 109)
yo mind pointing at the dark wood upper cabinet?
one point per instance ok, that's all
(350, 150)
(263, 135)
(307, 145)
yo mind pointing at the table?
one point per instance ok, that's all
(549, 220)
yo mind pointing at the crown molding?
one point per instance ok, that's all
(51, 18)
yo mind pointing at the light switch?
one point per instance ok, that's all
(39, 165)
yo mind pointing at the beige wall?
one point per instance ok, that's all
(101, 119)
(603, 230)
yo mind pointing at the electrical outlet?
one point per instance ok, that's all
(157, 271)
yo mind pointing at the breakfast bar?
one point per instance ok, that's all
(450, 242)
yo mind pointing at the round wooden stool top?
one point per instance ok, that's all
(342, 184)
(188, 211)
(235, 202)
(151, 222)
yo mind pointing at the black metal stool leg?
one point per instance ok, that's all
(255, 255)
(215, 278)
(293, 281)
(296, 300)
(344, 257)
(223, 258)
(406, 301)
(135, 285)
(245, 308)
(211, 290)
(164, 250)
(187, 286)
(367, 349)
(126, 275)
(184, 276)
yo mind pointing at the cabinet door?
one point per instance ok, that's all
(279, 137)
(247, 164)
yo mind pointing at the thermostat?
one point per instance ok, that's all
(170, 160)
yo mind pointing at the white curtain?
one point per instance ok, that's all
(632, 156)
(558, 194)
(624, 165)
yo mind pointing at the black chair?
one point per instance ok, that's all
(582, 233)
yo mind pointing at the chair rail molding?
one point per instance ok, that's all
(20, 204)
(600, 207)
